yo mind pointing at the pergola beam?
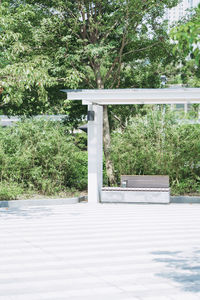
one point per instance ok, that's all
(136, 96)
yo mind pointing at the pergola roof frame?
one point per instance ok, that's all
(95, 99)
(135, 96)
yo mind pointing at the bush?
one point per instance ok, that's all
(157, 144)
(41, 156)
(9, 191)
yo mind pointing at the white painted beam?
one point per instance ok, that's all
(136, 96)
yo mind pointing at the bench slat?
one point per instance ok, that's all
(146, 181)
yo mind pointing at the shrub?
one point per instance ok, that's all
(158, 144)
(41, 156)
(9, 191)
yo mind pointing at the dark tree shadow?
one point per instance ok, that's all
(183, 268)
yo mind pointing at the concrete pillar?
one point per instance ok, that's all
(185, 108)
(95, 154)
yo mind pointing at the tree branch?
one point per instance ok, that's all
(104, 37)
(89, 83)
(111, 69)
(84, 30)
(119, 57)
(118, 119)
(116, 76)
(141, 49)
(119, 60)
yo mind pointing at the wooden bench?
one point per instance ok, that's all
(139, 189)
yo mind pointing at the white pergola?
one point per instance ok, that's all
(95, 99)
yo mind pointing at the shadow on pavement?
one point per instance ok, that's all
(33, 212)
(181, 267)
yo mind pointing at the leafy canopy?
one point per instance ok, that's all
(46, 45)
(32, 58)
(187, 36)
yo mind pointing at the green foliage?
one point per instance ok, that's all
(42, 157)
(157, 144)
(187, 39)
(80, 140)
(32, 60)
(185, 69)
(47, 45)
(10, 190)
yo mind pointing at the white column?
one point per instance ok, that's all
(95, 154)
(185, 108)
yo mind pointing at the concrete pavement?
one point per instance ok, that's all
(100, 252)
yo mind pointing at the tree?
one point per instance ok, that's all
(31, 69)
(97, 42)
(187, 37)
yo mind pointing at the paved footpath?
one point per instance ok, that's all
(100, 252)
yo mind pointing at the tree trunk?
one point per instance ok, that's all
(106, 143)
(106, 137)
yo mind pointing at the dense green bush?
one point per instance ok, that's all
(10, 191)
(41, 156)
(158, 144)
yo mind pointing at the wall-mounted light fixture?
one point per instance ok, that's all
(163, 80)
(90, 115)
(83, 128)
